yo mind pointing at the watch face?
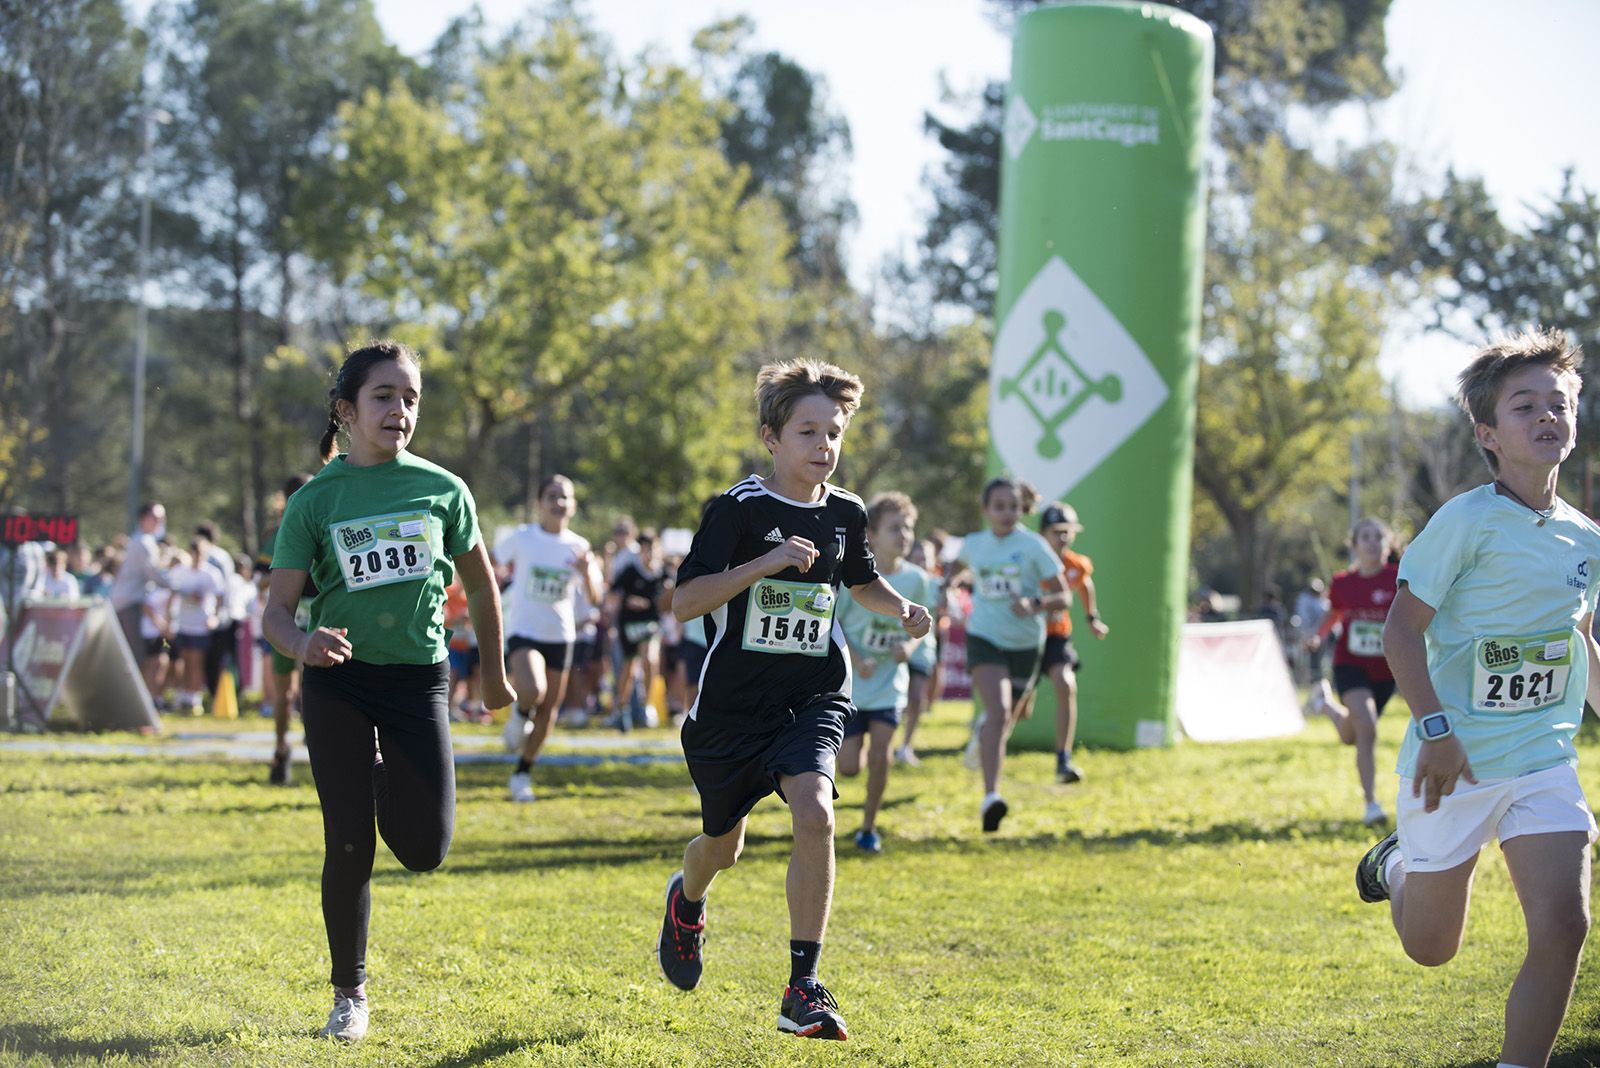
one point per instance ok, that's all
(1435, 727)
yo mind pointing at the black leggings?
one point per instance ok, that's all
(411, 791)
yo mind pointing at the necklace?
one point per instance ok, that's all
(1542, 513)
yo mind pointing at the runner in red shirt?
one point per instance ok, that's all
(1360, 599)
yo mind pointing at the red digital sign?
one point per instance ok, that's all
(16, 529)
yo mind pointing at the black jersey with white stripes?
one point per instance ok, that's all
(776, 645)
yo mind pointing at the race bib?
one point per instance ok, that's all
(883, 636)
(382, 549)
(549, 585)
(1001, 583)
(1521, 674)
(640, 631)
(789, 617)
(1364, 637)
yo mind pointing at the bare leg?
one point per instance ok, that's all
(1429, 910)
(849, 761)
(544, 719)
(810, 880)
(706, 856)
(1361, 717)
(1065, 683)
(994, 690)
(917, 700)
(1551, 874)
(877, 772)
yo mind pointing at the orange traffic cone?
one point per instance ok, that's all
(226, 704)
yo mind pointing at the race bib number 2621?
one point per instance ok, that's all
(378, 550)
(1520, 674)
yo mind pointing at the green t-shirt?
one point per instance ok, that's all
(1505, 653)
(1004, 569)
(380, 543)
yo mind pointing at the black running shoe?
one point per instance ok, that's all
(809, 1011)
(279, 775)
(1370, 883)
(1068, 772)
(678, 947)
(994, 810)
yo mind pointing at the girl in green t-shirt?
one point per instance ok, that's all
(380, 532)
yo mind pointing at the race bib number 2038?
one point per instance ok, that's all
(378, 550)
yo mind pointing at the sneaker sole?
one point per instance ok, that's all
(660, 932)
(993, 815)
(830, 1029)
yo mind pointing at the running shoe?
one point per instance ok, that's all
(348, 1021)
(1067, 771)
(1319, 699)
(907, 756)
(869, 842)
(1370, 881)
(521, 787)
(809, 1011)
(279, 775)
(973, 757)
(994, 810)
(679, 944)
(516, 730)
(1374, 814)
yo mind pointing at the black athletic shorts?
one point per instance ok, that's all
(557, 658)
(584, 651)
(865, 717)
(635, 637)
(734, 770)
(1347, 677)
(1059, 651)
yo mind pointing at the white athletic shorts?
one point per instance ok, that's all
(1543, 802)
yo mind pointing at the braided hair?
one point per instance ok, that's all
(351, 377)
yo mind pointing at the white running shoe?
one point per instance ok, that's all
(522, 787)
(516, 730)
(574, 718)
(1319, 699)
(973, 757)
(1374, 814)
(907, 756)
(348, 1021)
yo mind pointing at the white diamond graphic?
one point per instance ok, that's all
(1069, 384)
(1020, 125)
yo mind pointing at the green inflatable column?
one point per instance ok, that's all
(1092, 389)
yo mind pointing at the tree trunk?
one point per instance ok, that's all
(247, 459)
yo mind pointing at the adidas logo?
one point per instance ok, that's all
(774, 535)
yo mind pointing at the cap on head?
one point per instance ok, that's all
(1058, 514)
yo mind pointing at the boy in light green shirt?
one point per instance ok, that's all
(1489, 640)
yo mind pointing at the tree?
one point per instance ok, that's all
(69, 92)
(570, 247)
(257, 84)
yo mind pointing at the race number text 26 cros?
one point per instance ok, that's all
(381, 549)
(1520, 674)
(789, 617)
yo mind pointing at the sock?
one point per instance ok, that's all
(355, 993)
(1394, 859)
(803, 960)
(524, 766)
(689, 913)
(1063, 756)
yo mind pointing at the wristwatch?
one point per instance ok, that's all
(1434, 726)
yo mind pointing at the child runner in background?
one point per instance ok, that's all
(880, 656)
(1017, 578)
(464, 657)
(767, 562)
(1060, 527)
(1359, 601)
(927, 661)
(382, 531)
(1490, 641)
(583, 681)
(196, 590)
(637, 594)
(155, 634)
(546, 562)
(283, 672)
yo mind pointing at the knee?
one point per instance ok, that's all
(849, 765)
(1560, 931)
(724, 852)
(878, 759)
(813, 818)
(1434, 950)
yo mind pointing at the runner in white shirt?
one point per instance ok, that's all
(545, 562)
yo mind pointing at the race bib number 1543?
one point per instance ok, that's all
(382, 549)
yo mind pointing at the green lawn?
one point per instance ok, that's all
(1192, 906)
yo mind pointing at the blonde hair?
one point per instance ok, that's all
(780, 386)
(1478, 387)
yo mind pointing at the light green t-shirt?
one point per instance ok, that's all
(1505, 653)
(1004, 569)
(379, 543)
(874, 637)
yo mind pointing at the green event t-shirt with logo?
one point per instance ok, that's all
(874, 637)
(1004, 569)
(1505, 653)
(379, 543)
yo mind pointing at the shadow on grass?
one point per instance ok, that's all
(490, 1049)
(39, 1039)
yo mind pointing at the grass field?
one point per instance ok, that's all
(1191, 906)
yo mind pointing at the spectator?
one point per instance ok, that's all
(140, 570)
(57, 583)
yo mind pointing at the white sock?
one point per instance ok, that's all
(1390, 863)
(989, 799)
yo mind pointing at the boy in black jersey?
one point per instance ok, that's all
(764, 569)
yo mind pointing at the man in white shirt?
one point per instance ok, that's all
(140, 570)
